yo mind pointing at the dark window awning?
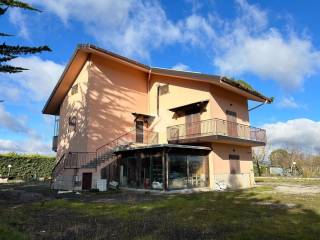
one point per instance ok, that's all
(143, 116)
(190, 108)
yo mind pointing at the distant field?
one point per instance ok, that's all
(265, 212)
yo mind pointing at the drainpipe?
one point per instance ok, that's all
(148, 86)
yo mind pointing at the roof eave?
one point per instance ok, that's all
(214, 79)
(45, 108)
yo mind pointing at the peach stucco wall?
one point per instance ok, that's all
(181, 92)
(109, 92)
(71, 139)
(115, 91)
(235, 173)
(223, 100)
(221, 162)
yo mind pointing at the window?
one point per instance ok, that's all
(234, 157)
(231, 113)
(161, 90)
(74, 89)
(73, 122)
(164, 89)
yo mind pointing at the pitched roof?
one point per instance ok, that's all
(83, 51)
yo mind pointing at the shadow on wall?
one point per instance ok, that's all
(234, 170)
(72, 135)
(111, 102)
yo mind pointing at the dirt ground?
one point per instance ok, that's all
(36, 192)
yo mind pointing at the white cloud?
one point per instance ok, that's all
(133, 28)
(271, 56)
(37, 82)
(289, 102)
(12, 123)
(130, 27)
(251, 15)
(245, 44)
(8, 91)
(197, 30)
(302, 134)
(181, 67)
(249, 45)
(30, 145)
(7, 146)
(32, 142)
(19, 20)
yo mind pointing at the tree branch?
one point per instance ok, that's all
(16, 50)
(17, 4)
(11, 69)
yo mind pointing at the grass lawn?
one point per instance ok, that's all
(259, 213)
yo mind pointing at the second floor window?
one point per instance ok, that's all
(231, 114)
(74, 89)
(163, 89)
(73, 123)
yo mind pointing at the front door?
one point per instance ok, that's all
(86, 181)
(139, 131)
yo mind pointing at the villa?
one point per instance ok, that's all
(150, 128)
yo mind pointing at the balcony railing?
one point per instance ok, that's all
(215, 127)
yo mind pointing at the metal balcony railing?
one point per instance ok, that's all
(218, 127)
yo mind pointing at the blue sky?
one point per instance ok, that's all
(273, 45)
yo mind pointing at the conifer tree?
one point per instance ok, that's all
(9, 52)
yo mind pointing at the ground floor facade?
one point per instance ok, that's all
(168, 167)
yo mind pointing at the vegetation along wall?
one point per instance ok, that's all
(26, 166)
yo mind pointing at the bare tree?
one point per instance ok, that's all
(259, 154)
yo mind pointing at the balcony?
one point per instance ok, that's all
(216, 130)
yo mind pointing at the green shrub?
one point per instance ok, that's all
(26, 166)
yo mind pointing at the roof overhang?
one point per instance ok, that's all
(164, 147)
(73, 68)
(84, 51)
(221, 81)
(65, 82)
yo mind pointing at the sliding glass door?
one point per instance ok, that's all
(187, 171)
(178, 171)
(197, 171)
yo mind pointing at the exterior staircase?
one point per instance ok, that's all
(105, 154)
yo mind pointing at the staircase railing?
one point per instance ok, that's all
(76, 160)
(79, 159)
(146, 137)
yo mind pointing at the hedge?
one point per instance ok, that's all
(26, 166)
